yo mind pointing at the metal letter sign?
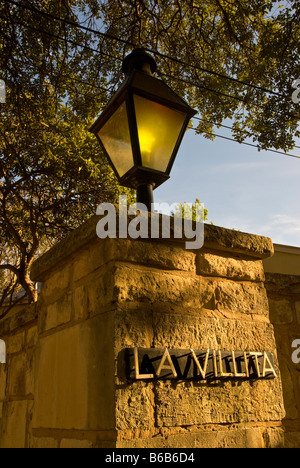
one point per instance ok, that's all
(184, 364)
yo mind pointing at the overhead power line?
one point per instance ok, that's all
(220, 93)
(186, 81)
(56, 36)
(84, 46)
(231, 128)
(70, 23)
(160, 54)
(247, 144)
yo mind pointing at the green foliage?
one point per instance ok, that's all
(193, 212)
(255, 42)
(53, 174)
(58, 78)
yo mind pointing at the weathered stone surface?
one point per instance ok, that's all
(12, 324)
(284, 297)
(184, 404)
(187, 404)
(147, 286)
(185, 331)
(134, 326)
(246, 298)
(165, 256)
(13, 424)
(280, 311)
(233, 268)
(292, 439)
(21, 374)
(227, 240)
(3, 377)
(151, 286)
(216, 238)
(75, 371)
(102, 296)
(283, 284)
(297, 307)
(135, 409)
(100, 291)
(81, 303)
(75, 443)
(15, 343)
(218, 438)
(44, 442)
(32, 336)
(274, 437)
(58, 313)
(56, 257)
(88, 259)
(57, 285)
(288, 390)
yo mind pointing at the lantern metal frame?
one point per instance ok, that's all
(138, 67)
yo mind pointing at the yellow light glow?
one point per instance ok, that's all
(158, 129)
(147, 141)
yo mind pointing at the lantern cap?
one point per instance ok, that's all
(139, 60)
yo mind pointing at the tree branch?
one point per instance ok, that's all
(11, 228)
(11, 306)
(11, 268)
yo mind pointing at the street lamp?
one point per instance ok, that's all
(142, 126)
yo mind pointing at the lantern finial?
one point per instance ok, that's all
(139, 60)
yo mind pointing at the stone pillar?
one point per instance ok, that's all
(284, 301)
(100, 297)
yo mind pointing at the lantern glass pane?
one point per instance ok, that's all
(116, 140)
(158, 131)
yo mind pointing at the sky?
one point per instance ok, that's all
(242, 188)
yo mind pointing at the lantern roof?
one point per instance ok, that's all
(144, 84)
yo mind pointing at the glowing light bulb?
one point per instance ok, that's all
(147, 142)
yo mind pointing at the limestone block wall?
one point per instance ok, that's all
(214, 299)
(19, 331)
(284, 301)
(99, 297)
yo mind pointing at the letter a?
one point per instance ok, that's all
(267, 369)
(169, 366)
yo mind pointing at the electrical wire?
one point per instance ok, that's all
(220, 93)
(48, 15)
(116, 58)
(229, 128)
(247, 144)
(70, 23)
(123, 41)
(55, 36)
